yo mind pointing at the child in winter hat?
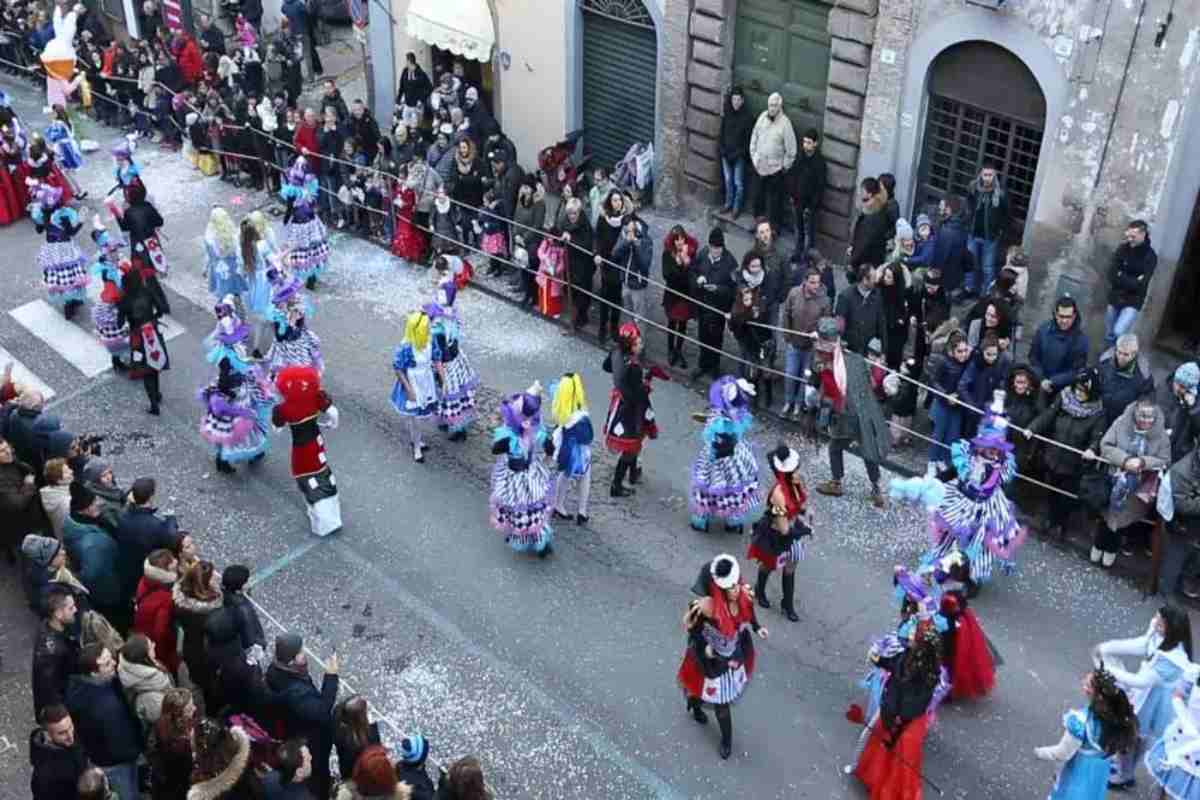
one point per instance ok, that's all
(922, 256)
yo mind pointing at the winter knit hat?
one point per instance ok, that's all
(923, 219)
(81, 497)
(374, 775)
(234, 577)
(903, 229)
(287, 647)
(41, 550)
(1188, 376)
(414, 749)
(716, 238)
(875, 346)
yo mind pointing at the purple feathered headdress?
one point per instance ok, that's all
(230, 329)
(447, 291)
(47, 195)
(730, 395)
(285, 288)
(299, 171)
(523, 409)
(123, 150)
(993, 430)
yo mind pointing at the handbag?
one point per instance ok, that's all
(1095, 489)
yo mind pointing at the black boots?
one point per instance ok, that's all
(696, 711)
(635, 473)
(760, 588)
(725, 721)
(789, 594)
(118, 365)
(150, 384)
(225, 467)
(618, 488)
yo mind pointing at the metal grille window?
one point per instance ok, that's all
(960, 137)
(620, 68)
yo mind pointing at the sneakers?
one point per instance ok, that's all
(786, 410)
(418, 453)
(831, 488)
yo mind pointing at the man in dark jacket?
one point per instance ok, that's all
(859, 311)
(1179, 558)
(19, 424)
(249, 627)
(95, 553)
(871, 229)
(56, 756)
(950, 244)
(987, 221)
(1124, 377)
(808, 185)
(108, 730)
(1060, 347)
(331, 97)
(1181, 412)
(712, 284)
(364, 129)
(480, 124)
(305, 711)
(415, 85)
(55, 651)
(141, 531)
(634, 252)
(211, 38)
(733, 142)
(20, 506)
(44, 556)
(1129, 279)
(410, 768)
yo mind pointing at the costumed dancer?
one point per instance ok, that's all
(718, 661)
(110, 273)
(14, 194)
(1174, 760)
(725, 473)
(295, 344)
(415, 392)
(125, 169)
(39, 160)
(138, 217)
(520, 502)
(306, 408)
(58, 56)
(222, 265)
(1166, 652)
(238, 403)
(890, 764)
(971, 513)
(305, 244)
(64, 269)
(61, 140)
(256, 243)
(1093, 735)
(778, 541)
(144, 303)
(572, 446)
(457, 380)
(630, 416)
(967, 654)
(408, 241)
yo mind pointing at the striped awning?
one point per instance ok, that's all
(172, 14)
(464, 27)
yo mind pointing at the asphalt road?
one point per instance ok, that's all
(558, 674)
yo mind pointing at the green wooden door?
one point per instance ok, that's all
(783, 46)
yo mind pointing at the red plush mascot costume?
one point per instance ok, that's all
(306, 409)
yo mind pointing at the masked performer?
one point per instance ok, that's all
(306, 408)
(141, 307)
(110, 273)
(725, 473)
(295, 344)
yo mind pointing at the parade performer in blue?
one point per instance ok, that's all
(457, 380)
(415, 392)
(572, 440)
(109, 272)
(125, 169)
(222, 257)
(1174, 761)
(306, 246)
(725, 473)
(295, 343)
(971, 512)
(64, 269)
(1093, 735)
(239, 402)
(61, 140)
(520, 501)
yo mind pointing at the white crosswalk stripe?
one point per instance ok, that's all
(23, 376)
(75, 344)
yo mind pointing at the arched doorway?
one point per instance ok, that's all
(971, 120)
(620, 74)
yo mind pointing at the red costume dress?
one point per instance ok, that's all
(630, 414)
(14, 194)
(44, 169)
(972, 671)
(409, 241)
(721, 678)
(304, 408)
(774, 550)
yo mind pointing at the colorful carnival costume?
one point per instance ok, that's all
(14, 194)
(141, 221)
(966, 652)
(305, 241)
(222, 259)
(779, 535)
(521, 481)
(1166, 666)
(306, 408)
(143, 304)
(39, 161)
(725, 473)
(237, 405)
(972, 512)
(408, 242)
(295, 344)
(125, 170)
(1174, 760)
(718, 662)
(64, 270)
(1091, 735)
(891, 759)
(67, 154)
(415, 392)
(110, 274)
(457, 380)
(572, 440)
(630, 416)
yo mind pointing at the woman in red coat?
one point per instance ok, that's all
(14, 194)
(191, 63)
(409, 241)
(154, 608)
(679, 251)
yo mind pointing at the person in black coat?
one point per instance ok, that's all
(238, 686)
(868, 240)
(410, 769)
(141, 531)
(364, 130)
(415, 85)
(609, 227)
(141, 307)
(353, 732)
(859, 310)
(109, 731)
(303, 710)
(141, 221)
(55, 651)
(733, 142)
(950, 245)
(712, 285)
(808, 185)
(55, 754)
(1129, 275)
(577, 234)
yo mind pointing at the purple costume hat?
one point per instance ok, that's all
(447, 291)
(47, 196)
(230, 329)
(729, 395)
(299, 171)
(285, 287)
(993, 430)
(123, 150)
(523, 409)
(105, 240)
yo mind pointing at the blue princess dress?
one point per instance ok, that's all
(1174, 760)
(417, 366)
(225, 274)
(1084, 771)
(1150, 690)
(66, 150)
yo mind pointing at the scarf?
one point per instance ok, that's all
(463, 164)
(752, 279)
(1074, 407)
(443, 206)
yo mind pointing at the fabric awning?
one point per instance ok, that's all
(464, 27)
